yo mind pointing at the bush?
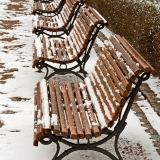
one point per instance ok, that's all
(138, 22)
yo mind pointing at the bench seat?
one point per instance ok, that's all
(98, 105)
(50, 25)
(68, 50)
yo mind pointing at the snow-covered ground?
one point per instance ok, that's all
(17, 82)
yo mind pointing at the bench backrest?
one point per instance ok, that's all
(116, 79)
(48, 7)
(81, 39)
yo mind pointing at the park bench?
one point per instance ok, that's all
(59, 25)
(48, 7)
(99, 105)
(74, 49)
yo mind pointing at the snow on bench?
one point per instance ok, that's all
(75, 46)
(98, 105)
(52, 25)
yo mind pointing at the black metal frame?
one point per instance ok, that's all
(64, 31)
(49, 138)
(80, 62)
(56, 12)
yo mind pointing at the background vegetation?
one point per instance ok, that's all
(138, 22)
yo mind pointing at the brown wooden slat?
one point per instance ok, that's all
(63, 121)
(145, 67)
(83, 27)
(122, 65)
(112, 85)
(92, 116)
(118, 83)
(40, 131)
(82, 112)
(122, 78)
(45, 48)
(63, 51)
(125, 56)
(75, 112)
(86, 21)
(100, 20)
(69, 49)
(59, 54)
(70, 118)
(117, 109)
(109, 122)
(35, 139)
(45, 107)
(138, 58)
(54, 106)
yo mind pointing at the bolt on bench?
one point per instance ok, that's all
(59, 25)
(73, 49)
(97, 106)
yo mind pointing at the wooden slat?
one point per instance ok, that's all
(58, 50)
(70, 118)
(112, 85)
(146, 67)
(100, 19)
(35, 139)
(75, 112)
(69, 49)
(130, 75)
(117, 70)
(117, 108)
(82, 112)
(40, 131)
(91, 114)
(118, 83)
(109, 122)
(54, 107)
(63, 50)
(63, 121)
(125, 56)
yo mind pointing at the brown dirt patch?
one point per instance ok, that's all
(15, 131)
(2, 65)
(15, 7)
(19, 99)
(9, 39)
(13, 46)
(9, 24)
(2, 82)
(11, 70)
(6, 76)
(9, 112)
(2, 33)
(1, 124)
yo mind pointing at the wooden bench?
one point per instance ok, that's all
(74, 48)
(59, 25)
(97, 106)
(47, 6)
